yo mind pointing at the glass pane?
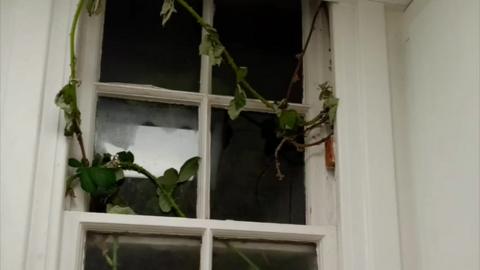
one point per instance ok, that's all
(244, 185)
(241, 255)
(146, 252)
(160, 135)
(137, 49)
(264, 36)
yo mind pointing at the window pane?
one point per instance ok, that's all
(231, 254)
(244, 185)
(160, 135)
(264, 36)
(137, 49)
(136, 252)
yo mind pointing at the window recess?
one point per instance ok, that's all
(146, 89)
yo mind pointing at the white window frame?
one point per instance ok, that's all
(320, 227)
(367, 214)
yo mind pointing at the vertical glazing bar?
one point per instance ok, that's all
(206, 69)
(203, 195)
(206, 250)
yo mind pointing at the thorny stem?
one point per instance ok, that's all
(137, 168)
(280, 175)
(302, 146)
(295, 75)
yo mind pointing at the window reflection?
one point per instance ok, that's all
(244, 185)
(264, 36)
(138, 49)
(161, 136)
(146, 252)
(264, 255)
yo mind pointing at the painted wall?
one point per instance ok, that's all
(434, 76)
(24, 41)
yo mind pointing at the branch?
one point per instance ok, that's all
(295, 75)
(301, 147)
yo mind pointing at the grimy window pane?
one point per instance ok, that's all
(265, 36)
(160, 135)
(244, 185)
(137, 49)
(145, 252)
(230, 255)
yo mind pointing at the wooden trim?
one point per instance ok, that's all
(369, 232)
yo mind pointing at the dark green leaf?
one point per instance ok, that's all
(189, 169)
(74, 163)
(288, 120)
(97, 160)
(212, 47)
(237, 103)
(163, 202)
(93, 7)
(242, 73)
(98, 181)
(125, 156)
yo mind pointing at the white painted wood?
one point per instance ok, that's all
(206, 250)
(203, 186)
(26, 120)
(80, 222)
(206, 67)
(368, 207)
(319, 183)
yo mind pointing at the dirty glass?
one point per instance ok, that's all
(264, 255)
(244, 185)
(264, 36)
(138, 49)
(146, 252)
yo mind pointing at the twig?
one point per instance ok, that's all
(301, 147)
(295, 76)
(280, 175)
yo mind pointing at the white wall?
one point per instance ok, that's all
(434, 76)
(25, 27)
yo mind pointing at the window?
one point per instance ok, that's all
(146, 89)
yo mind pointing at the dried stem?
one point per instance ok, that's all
(296, 76)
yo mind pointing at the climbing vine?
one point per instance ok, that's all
(101, 177)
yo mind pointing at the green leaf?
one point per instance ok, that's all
(163, 202)
(97, 160)
(212, 47)
(74, 163)
(66, 100)
(93, 7)
(116, 209)
(288, 120)
(237, 103)
(125, 156)
(98, 181)
(242, 73)
(188, 170)
(170, 177)
(168, 8)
